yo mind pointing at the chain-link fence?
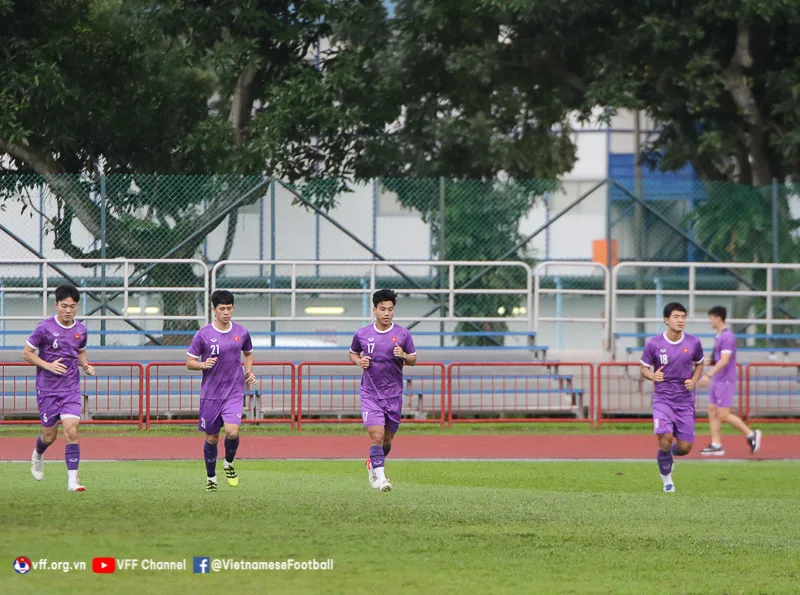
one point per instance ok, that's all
(214, 218)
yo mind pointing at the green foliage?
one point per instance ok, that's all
(481, 222)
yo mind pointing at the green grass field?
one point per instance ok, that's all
(446, 528)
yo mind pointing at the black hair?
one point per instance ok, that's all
(384, 295)
(672, 307)
(222, 297)
(65, 291)
(719, 311)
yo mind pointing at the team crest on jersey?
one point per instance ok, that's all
(394, 339)
(236, 338)
(77, 336)
(685, 350)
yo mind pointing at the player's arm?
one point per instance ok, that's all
(195, 352)
(408, 353)
(193, 363)
(29, 355)
(646, 369)
(410, 359)
(725, 357)
(361, 362)
(355, 354)
(698, 368)
(83, 362)
(249, 377)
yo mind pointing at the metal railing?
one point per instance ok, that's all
(130, 275)
(368, 271)
(559, 291)
(297, 283)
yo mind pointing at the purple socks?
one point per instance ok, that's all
(664, 462)
(41, 446)
(376, 456)
(210, 457)
(72, 456)
(231, 446)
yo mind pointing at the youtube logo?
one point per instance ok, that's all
(104, 565)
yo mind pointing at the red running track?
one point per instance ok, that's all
(405, 447)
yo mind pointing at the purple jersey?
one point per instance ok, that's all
(225, 381)
(677, 361)
(54, 341)
(384, 377)
(725, 342)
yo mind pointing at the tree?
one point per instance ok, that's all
(105, 83)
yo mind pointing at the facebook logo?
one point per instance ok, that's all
(202, 564)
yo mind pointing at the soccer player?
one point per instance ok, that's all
(673, 361)
(61, 344)
(381, 350)
(216, 350)
(722, 378)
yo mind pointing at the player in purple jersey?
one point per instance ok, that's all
(722, 378)
(61, 343)
(673, 361)
(381, 350)
(216, 350)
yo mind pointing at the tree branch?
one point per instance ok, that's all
(230, 235)
(212, 216)
(65, 187)
(242, 103)
(733, 77)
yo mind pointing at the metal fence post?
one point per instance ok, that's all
(103, 242)
(442, 253)
(775, 252)
(376, 185)
(272, 257)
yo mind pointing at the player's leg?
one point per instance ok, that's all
(683, 430)
(210, 422)
(72, 450)
(48, 414)
(725, 402)
(374, 420)
(70, 412)
(392, 413)
(387, 441)
(664, 459)
(231, 419)
(663, 427)
(753, 436)
(714, 424)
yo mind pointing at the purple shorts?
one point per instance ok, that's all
(55, 407)
(678, 421)
(385, 412)
(721, 392)
(214, 413)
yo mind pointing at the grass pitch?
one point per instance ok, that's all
(453, 527)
